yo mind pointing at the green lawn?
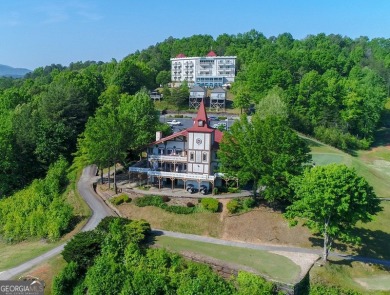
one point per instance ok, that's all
(380, 282)
(327, 158)
(272, 265)
(373, 165)
(362, 277)
(15, 254)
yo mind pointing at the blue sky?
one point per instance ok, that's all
(37, 33)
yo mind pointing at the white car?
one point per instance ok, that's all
(174, 123)
(217, 125)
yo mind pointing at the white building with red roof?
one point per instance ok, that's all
(208, 71)
(186, 158)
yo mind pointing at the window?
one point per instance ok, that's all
(192, 156)
(200, 123)
(204, 157)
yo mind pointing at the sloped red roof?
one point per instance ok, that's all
(172, 136)
(180, 55)
(211, 54)
(218, 135)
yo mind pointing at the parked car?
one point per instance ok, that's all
(218, 125)
(203, 189)
(174, 123)
(213, 118)
(190, 188)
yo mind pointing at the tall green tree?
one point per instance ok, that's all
(131, 76)
(331, 200)
(163, 78)
(266, 152)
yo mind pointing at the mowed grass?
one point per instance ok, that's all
(207, 224)
(15, 254)
(376, 282)
(375, 235)
(272, 265)
(373, 165)
(362, 277)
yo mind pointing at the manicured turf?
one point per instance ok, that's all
(12, 255)
(325, 159)
(376, 282)
(275, 266)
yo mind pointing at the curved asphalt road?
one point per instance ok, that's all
(99, 211)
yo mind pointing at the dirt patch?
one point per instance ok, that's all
(265, 226)
(261, 225)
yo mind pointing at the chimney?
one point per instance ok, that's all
(158, 135)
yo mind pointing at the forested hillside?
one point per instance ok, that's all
(335, 88)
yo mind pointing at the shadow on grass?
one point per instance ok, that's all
(374, 244)
(382, 137)
(318, 241)
(150, 240)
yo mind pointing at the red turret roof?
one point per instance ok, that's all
(201, 121)
(180, 55)
(211, 54)
(205, 128)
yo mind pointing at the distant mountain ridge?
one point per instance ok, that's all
(7, 71)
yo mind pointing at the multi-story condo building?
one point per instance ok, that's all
(209, 71)
(185, 158)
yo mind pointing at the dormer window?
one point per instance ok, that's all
(200, 123)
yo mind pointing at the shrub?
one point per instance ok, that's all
(210, 204)
(248, 203)
(165, 199)
(120, 199)
(221, 118)
(215, 191)
(233, 206)
(156, 201)
(240, 205)
(248, 283)
(66, 280)
(233, 190)
(189, 204)
(180, 209)
(339, 139)
(83, 248)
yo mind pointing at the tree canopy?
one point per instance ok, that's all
(331, 200)
(124, 264)
(264, 151)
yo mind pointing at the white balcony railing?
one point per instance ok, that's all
(182, 175)
(167, 158)
(173, 174)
